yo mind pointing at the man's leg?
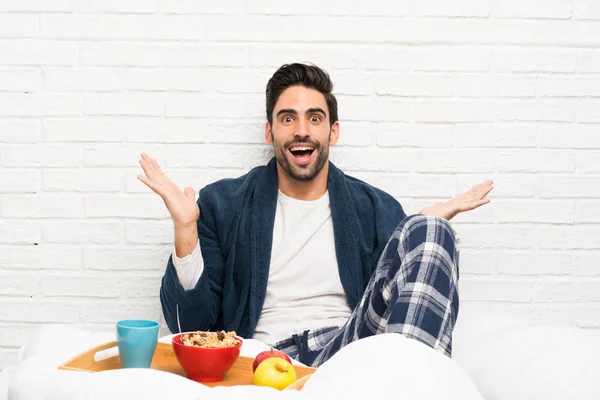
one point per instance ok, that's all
(413, 290)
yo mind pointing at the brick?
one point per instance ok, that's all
(167, 80)
(402, 185)
(9, 358)
(83, 79)
(36, 310)
(486, 31)
(588, 60)
(359, 8)
(376, 109)
(15, 334)
(239, 81)
(455, 59)
(149, 232)
(81, 285)
(207, 55)
(440, 8)
(475, 262)
(136, 104)
(585, 262)
(567, 33)
(535, 60)
(40, 5)
(308, 7)
(110, 311)
(122, 55)
(447, 161)
(133, 206)
(97, 232)
(588, 162)
(555, 212)
(587, 212)
(356, 56)
(274, 55)
(116, 155)
(454, 111)
(39, 105)
(136, 287)
(589, 112)
(20, 232)
(422, 85)
(42, 256)
(188, 130)
(505, 185)
(536, 160)
(587, 316)
(570, 137)
(19, 80)
(496, 135)
(478, 236)
(83, 180)
(569, 86)
(196, 178)
(19, 181)
(19, 284)
(520, 9)
(378, 160)
(481, 215)
(38, 52)
(26, 206)
(47, 155)
(586, 9)
(127, 258)
(538, 264)
(419, 135)
(496, 289)
(565, 291)
(495, 86)
(536, 110)
(568, 187)
(116, 6)
(202, 7)
(233, 106)
(353, 83)
(19, 26)
(20, 130)
(569, 237)
(86, 129)
(130, 27)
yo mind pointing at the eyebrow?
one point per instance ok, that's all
(294, 112)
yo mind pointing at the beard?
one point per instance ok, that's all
(306, 172)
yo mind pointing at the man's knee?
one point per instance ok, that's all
(428, 225)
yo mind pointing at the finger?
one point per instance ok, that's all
(146, 181)
(148, 170)
(190, 193)
(480, 203)
(155, 164)
(485, 191)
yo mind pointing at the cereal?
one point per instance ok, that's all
(210, 340)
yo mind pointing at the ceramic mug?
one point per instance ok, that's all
(137, 339)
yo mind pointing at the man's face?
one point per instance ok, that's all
(301, 132)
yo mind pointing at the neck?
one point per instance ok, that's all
(303, 190)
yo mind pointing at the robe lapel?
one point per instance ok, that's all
(345, 231)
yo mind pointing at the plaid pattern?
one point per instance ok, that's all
(412, 292)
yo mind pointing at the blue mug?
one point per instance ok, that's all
(137, 339)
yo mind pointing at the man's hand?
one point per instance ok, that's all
(181, 204)
(467, 201)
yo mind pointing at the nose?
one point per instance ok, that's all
(301, 128)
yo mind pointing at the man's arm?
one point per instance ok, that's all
(470, 200)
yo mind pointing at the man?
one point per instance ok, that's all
(298, 254)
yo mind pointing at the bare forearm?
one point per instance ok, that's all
(186, 239)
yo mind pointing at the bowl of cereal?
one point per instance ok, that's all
(206, 356)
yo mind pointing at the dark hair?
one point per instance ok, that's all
(309, 76)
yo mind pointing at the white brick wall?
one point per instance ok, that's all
(434, 96)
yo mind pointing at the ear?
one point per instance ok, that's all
(268, 134)
(335, 133)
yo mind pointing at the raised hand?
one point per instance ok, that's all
(470, 200)
(181, 204)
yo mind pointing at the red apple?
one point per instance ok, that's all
(268, 354)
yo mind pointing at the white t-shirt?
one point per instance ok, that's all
(304, 289)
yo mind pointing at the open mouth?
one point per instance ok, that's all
(302, 154)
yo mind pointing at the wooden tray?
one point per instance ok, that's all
(164, 360)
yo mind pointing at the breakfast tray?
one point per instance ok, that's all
(164, 360)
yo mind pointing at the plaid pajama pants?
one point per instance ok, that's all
(413, 291)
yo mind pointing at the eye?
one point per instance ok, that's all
(287, 119)
(315, 118)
